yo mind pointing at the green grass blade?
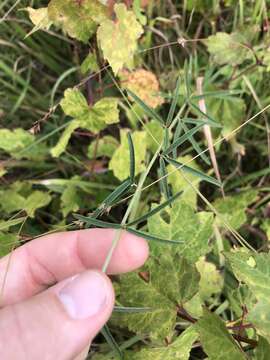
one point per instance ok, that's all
(194, 172)
(174, 103)
(88, 220)
(155, 210)
(131, 157)
(150, 112)
(111, 341)
(182, 139)
(149, 237)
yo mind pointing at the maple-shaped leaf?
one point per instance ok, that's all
(228, 48)
(120, 160)
(79, 18)
(105, 146)
(180, 182)
(254, 270)
(194, 230)
(233, 208)
(216, 340)
(177, 350)
(103, 113)
(229, 111)
(118, 39)
(40, 18)
(144, 84)
(19, 143)
(172, 281)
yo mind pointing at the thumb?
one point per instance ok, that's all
(58, 323)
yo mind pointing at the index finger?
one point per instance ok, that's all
(45, 261)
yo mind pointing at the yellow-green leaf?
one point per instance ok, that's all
(78, 18)
(120, 161)
(118, 39)
(216, 340)
(40, 18)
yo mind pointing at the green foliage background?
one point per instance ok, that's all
(75, 78)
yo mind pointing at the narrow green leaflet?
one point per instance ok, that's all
(172, 281)
(185, 168)
(118, 39)
(179, 183)
(178, 350)
(39, 18)
(233, 208)
(95, 118)
(78, 18)
(193, 229)
(120, 162)
(216, 340)
(153, 127)
(228, 48)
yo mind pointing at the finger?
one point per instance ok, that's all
(49, 259)
(58, 323)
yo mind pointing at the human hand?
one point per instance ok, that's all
(53, 304)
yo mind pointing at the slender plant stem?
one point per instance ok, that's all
(133, 201)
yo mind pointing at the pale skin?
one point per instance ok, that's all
(55, 298)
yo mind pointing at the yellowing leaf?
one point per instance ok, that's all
(95, 118)
(89, 64)
(118, 39)
(233, 208)
(39, 18)
(36, 200)
(7, 242)
(102, 147)
(78, 18)
(119, 163)
(228, 48)
(178, 350)
(211, 281)
(179, 182)
(74, 103)
(15, 142)
(144, 84)
(172, 281)
(193, 229)
(230, 112)
(216, 340)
